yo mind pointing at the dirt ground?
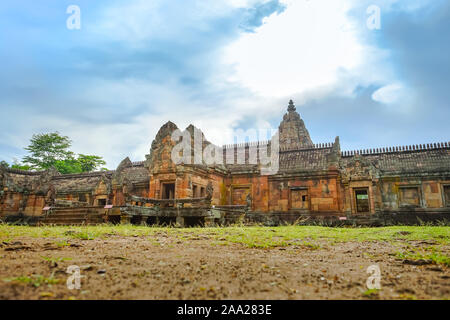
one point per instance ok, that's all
(166, 267)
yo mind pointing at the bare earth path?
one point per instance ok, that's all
(204, 264)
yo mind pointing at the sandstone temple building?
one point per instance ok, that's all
(313, 181)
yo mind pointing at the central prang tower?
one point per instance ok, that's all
(293, 133)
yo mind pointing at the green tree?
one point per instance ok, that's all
(5, 164)
(90, 163)
(46, 149)
(49, 150)
(68, 166)
(18, 165)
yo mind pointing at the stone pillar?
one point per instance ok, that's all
(209, 221)
(348, 199)
(125, 219)
(180, 221)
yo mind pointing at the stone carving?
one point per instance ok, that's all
(248, 199)
(23, 202)
(50, 197)
(209, 191)
(44, 181)
(359, 168)
(107, 182)
(335, 153)
(161, 148)
(118, 176)
(127, 187)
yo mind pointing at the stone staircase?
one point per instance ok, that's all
(72, 216)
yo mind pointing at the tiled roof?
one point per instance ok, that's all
(137, 174)
(305, 159)
(409, 159)
(73, 183)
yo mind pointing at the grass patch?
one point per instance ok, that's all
(55, 260)
(371, 293)
(251, 236)
(35, 280)
(431, 253)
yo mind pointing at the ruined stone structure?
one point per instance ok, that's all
(314, 181)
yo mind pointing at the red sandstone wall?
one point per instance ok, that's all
(323, 194)
(236, 188)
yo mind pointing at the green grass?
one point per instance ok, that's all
(35, 280)
(435, 255)
(55, 260)
(254, 237)
(371, 293)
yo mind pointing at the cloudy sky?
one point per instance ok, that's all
(222, 65)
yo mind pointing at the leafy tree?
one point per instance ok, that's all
(18, 165)
(68, 166)
(46, 149)
(5, 164)
(90, 163)
(49, 150)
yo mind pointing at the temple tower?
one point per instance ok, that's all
(293, 133)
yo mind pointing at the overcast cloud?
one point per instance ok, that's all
(222, 65)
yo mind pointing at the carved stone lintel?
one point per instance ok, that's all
(359, 168)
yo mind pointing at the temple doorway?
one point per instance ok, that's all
(168, 191)
(362, 200)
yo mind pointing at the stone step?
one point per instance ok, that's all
(64, 213)
(68, 220)
(67, 216)
(74, 223)
(55, 214)
(68, 223)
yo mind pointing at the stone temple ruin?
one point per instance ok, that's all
(405, 184)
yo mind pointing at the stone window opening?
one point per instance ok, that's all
(409, 196)
(82, 197)
(299, 198)
(101, 202)
(202, 192)
(446, 190)
(194, 191)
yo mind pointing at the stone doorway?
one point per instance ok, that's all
(168, 190)
(362, 200)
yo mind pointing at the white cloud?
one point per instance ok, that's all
(140, 21)
(388, 94)
(300, 49)
(396, 95)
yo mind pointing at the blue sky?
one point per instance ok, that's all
(222, 65)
